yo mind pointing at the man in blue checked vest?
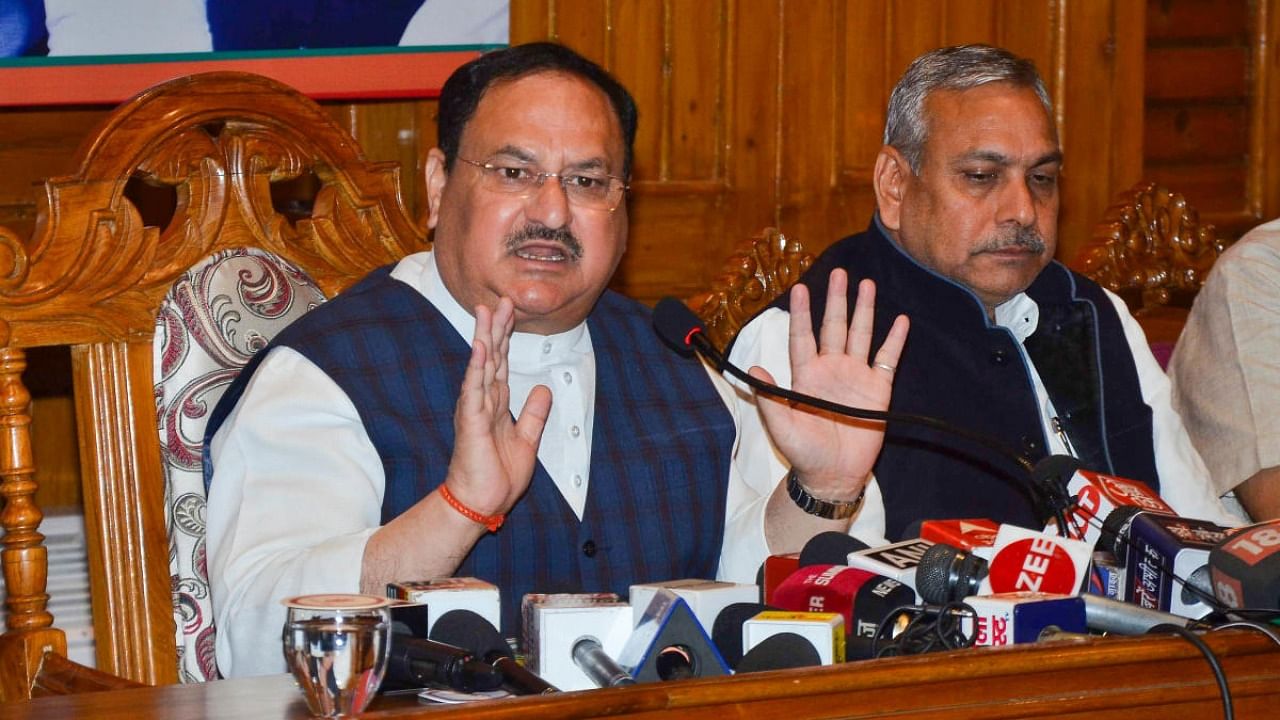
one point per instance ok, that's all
(488, 409)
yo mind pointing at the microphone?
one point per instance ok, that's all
(468, 630)
(949, 573)
(830, 548)
(553, 626)
(681, 329)
(780, 652)
(864, 598)
(604, 671)
(415, 662)
(1246, 567)
(726, 631)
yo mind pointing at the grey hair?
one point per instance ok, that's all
(960, 67)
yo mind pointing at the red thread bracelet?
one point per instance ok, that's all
(492, 522)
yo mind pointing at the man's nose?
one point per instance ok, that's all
(549, 204)
(1018, 204)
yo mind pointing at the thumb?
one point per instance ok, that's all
(534, 414)
(773, 410)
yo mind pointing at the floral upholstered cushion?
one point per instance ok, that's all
(214, 318)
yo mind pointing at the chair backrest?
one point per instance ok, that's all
(1153, 251)
(220, 151)
(759, 270)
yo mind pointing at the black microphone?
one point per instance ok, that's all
(780, 652)
(470, 631)
(415, 662)
(830, 548)
(726, 631)
(681, 329)
(948, 574)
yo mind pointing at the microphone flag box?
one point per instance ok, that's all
(862, 598)
(1016, 618)
(554, 623)
(669, 643)
(1026, 560)
(778, 568)
(965, 534)
(441, 595)
(706, 598)
(825, 631)
(1244, 567)
(1162, 547)
(1107, 578)
(1097, 495)
(898, 560)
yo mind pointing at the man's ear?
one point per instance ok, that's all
(437, 176)
(890, 177)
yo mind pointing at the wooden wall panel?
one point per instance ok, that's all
(799, 89)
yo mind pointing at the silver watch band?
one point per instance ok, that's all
(828, 509)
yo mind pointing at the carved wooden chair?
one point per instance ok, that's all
(266, 207)
(759, 270)
(1153, 251)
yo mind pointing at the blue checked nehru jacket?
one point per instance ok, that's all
(660, 446)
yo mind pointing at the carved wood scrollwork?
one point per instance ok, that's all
(220, 141)
(1151, 249)
(760, 270)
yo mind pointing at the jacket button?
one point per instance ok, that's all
(1030, 444)
(999, 357)
(589, 548)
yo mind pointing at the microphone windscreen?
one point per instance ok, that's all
(947, 574)
(726, 631)
(830, 548)
(471, 632)
(779, 652)
(675, 322)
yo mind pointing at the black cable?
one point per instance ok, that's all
(1214, 663)
(723, 365)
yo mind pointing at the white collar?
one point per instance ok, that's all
(1020, 315)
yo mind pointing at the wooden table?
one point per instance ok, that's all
(1128, 678)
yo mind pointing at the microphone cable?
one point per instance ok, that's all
(1215, 664)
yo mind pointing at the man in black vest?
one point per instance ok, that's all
(1004, 341)
(406, 429)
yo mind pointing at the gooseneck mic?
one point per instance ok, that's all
(680, 328)
(471, 632)
(415, 662)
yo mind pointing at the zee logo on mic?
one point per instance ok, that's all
(1035, 564)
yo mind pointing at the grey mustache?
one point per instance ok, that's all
(1025, 237)
(562, 236)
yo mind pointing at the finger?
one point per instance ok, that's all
(800, 329)
(533, 416)
(773, 411)
(471, 395)
(484, 336)
(864, 315)
(835, 318)
(891, 350)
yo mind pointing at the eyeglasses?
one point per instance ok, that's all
(585, 189)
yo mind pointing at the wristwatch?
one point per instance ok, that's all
(828, 509)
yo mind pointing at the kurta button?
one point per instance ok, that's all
(589, 548)
(999, 357)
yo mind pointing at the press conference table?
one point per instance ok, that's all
(1106, 678)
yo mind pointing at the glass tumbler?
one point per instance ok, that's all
(337, 646)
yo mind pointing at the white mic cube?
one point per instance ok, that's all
(825, 631)
(553, 624)
(706, 598)
(441, 595)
